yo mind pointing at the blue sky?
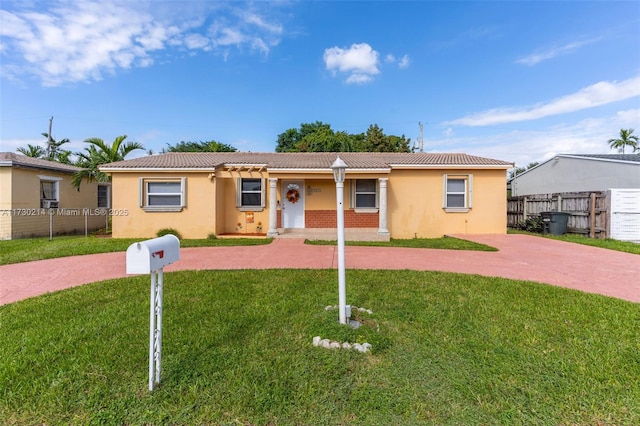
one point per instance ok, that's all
(512, 80)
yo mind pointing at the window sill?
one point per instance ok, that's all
(366, 210)
(456, 209)
(251, 209)
(154, 209)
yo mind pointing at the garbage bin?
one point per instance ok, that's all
(555, 223)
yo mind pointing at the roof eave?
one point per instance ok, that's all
(453, 166)
(11, 163)
(156, 169)
(328, 170)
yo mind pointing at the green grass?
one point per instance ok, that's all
(445, 243)
(237, 349)
(624, 246)
(28, 249)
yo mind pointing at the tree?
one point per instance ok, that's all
(33, 151)
(208, 146)
(53, 151)
(626, 139)
(289, 140)
(98, 152)
(319, 137)
(518, 170)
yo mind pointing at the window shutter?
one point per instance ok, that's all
(238, 192)
(141, 192)
(470, 191)
(183, 192)
(263, 192)
(352, 193)
(444, 190)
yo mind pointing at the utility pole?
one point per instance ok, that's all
(420, 140)
(50, 149)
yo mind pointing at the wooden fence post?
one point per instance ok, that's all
(592, 216)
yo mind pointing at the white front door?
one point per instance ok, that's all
(292, 204)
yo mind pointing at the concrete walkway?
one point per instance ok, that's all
(522, 257)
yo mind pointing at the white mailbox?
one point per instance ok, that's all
(151, 255)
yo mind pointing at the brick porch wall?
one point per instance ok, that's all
(328, 219)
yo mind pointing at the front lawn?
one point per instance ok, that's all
(28, 249)
(237, 349)
(607, 243)
(444, 243)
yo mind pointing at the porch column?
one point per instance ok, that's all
(273, 208)
(382, 212)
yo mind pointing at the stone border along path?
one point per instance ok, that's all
(521, 257)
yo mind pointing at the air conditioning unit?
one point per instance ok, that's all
(48, 204)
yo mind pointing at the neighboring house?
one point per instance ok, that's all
(579, 173)
(37, 198)
(394, 195)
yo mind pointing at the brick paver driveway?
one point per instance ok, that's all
(523, 257)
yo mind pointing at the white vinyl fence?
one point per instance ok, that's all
(625, 215)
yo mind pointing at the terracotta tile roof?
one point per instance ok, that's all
(12, 159)
(300, 160)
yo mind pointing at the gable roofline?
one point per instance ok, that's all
(11, 159)
(612, 158)
(631, 159)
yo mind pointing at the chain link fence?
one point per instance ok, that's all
(41, 222)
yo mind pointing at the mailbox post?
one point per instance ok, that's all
(149, 257)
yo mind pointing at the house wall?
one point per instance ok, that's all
(5, 203)
(196, 220)
(576, 175)
(20, 189)
(414, 205)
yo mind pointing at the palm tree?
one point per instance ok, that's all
(626, 139)
(53, 149)
(98, 152)
(33, 151)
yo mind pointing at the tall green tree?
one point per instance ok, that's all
(289, 140)
(33, 151)
(319, 137)
(627, 138)
(98, 152)
(208, 146)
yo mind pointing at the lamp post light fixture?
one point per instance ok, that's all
(339, 168)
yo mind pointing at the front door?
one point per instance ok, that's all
(292, 204)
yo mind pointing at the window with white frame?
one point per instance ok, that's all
(364, 194)
(457, 193)
(250, 193)
(49, 191)
(104, 196)
(163, 194)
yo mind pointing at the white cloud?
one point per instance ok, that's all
(552, 52)
(601, 93)
(196, 41)
(260, 22)
(359, 79)
(389, 58)
(61, 42)
(404, 62)
(586, 136)
(359, 61)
